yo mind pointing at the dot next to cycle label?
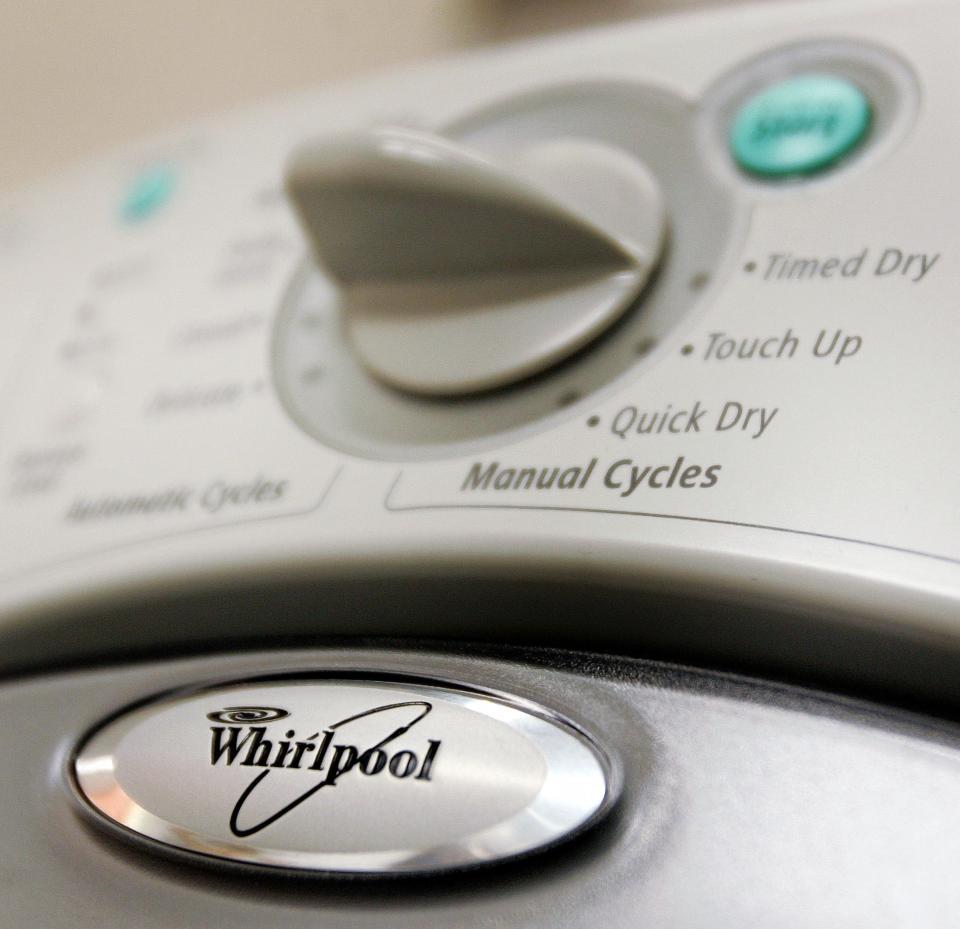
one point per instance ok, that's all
(887, 263)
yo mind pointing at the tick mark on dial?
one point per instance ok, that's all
(644, 346)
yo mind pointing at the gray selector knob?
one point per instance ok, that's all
(458, 273)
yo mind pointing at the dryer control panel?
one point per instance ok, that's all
(669, 307)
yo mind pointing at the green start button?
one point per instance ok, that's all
(799, 126)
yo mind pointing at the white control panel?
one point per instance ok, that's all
(664, 307)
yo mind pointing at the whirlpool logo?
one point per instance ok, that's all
(242, 740)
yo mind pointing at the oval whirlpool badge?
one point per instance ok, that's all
(345, 775)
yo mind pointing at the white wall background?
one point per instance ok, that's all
(80, 76)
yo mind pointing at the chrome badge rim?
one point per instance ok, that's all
(170, 800)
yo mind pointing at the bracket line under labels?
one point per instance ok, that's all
(47, 565)
(392, 507)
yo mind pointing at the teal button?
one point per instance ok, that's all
(147, 193)
(800, 126)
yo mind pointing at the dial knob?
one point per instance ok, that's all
(458, 273)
